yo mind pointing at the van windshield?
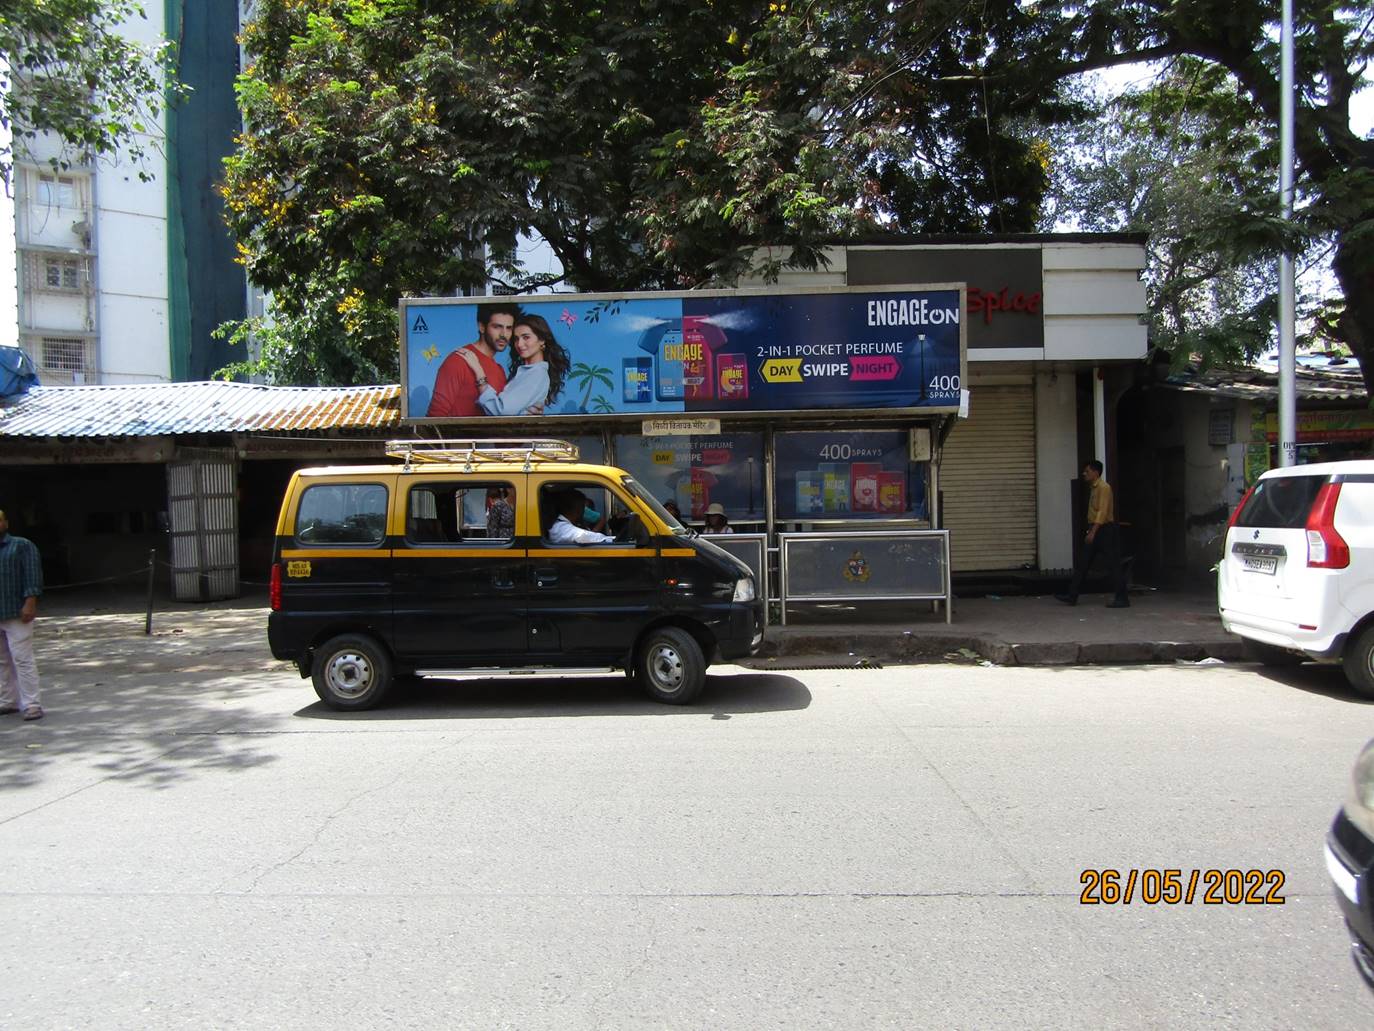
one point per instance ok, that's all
(643, 495)
(1280, 502)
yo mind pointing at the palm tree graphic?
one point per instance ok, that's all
(600, 404)
(590, 375)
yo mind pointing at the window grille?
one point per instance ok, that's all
(63, 354)
(55, 273)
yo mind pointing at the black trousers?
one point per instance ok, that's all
(1106, 543)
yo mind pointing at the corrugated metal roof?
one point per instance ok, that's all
(1257, 385)
(158, 409)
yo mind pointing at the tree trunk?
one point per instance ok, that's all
(1354, 266)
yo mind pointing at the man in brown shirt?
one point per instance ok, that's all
(1103, 537)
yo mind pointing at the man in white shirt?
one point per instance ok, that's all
(571, 505)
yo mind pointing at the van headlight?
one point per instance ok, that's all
(1363, 777)
(744, 589)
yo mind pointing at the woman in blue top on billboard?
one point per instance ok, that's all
(540, 365)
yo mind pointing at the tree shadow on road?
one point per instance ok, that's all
(152, 710)
(539, 696)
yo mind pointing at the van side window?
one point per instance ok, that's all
(447, 513)
(603, 511)
(342, 513)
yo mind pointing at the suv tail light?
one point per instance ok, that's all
(1326, 549)
(274, 588)
(1235, 512)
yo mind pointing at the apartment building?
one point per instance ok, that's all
(125, 270)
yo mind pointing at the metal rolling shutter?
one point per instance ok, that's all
(987, 477)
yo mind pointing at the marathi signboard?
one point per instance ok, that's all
(1321, 426)
(727, 352)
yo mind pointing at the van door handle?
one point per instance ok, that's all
(501, 580)
(545, 577)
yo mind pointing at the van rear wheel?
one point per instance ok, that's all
(351, 672)
(1358, 663)
(670, 666)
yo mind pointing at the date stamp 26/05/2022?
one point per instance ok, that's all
(1169, 887)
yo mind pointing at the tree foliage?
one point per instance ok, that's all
(67, 68)
(1225, 89)
(652, 144)
(660, 143)
(390, 145)
(1183, 161)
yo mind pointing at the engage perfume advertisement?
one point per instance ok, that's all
(857, 474)
(720, 352)
(697, 472)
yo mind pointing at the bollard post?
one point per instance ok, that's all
(152, 568)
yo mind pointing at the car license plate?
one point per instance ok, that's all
(1261, 564)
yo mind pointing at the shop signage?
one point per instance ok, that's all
(719, 352)
(678, 427)
(1315, 427)
(1005, 298)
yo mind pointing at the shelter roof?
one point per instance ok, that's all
(158, 409)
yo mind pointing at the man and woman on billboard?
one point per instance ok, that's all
(472, 382)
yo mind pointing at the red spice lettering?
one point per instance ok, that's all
(989, 301)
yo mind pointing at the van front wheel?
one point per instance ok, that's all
(351, 672)
(670, 667)
(1358, 663)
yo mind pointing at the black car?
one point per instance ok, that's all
(1350, 861)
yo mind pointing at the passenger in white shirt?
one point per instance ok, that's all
(571, 505)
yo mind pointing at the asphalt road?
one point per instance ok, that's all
(189, 839)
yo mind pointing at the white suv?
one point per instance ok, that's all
(1297, 572)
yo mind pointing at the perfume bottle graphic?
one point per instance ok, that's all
(732, 373)
(700, 342)
(636, 374)
(663, 342)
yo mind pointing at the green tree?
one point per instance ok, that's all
(1237, 44)
(899, 115)
(389, 145)
(66, 69)
(662, 144)
(1182, 160)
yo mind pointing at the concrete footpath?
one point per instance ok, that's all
(1007, 631)
(1159, 627)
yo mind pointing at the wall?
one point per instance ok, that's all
(1056, 463)
(1094, 301)
(130, 241)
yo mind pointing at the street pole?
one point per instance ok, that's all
(1288, 394)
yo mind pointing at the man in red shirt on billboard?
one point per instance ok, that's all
(455, 387)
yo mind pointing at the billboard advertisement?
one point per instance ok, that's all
(857, 474)
(722, 352)
(699, 471)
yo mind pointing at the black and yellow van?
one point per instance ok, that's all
(444, 563)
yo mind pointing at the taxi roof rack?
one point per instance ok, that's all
(471, 453)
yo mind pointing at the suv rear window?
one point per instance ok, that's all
(1281, 502)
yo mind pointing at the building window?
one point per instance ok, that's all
(56, 191)
(63, 354)
(62, 274)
